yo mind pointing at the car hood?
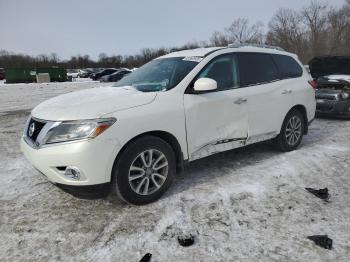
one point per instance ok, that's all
(91, 103)
(329, 65)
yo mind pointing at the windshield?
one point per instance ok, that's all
(159, 74)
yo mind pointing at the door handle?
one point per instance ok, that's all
(240, 101)
(287, 92)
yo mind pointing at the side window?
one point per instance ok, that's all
(288, 67)
(256, 68)
(224, 70)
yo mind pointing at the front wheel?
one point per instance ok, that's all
(292, 131)
(144, 171)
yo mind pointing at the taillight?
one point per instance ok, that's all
(313, 84)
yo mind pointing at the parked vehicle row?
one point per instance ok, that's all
(116, 76)
(101, 74)
(134, 136)
(72, 73)
(88, 72)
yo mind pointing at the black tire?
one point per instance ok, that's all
(281, 141)
(120, 174)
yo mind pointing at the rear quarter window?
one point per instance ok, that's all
(288, 67)
(256, 68)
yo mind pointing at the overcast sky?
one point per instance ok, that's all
(71, 27)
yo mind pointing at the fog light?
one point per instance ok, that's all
(72, 173)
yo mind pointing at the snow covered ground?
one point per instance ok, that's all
(243, 205)
(25, 97)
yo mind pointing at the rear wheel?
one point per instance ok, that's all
(144, 171)
(292, 131)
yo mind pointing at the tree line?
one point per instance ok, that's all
(314, 30)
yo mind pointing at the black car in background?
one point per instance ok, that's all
(332, 81)
(102, 73)
(116, 76)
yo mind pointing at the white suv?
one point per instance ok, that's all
(135, 135)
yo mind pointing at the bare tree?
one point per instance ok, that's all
(314, 30)
(338, 31)
(54, 58)
(240, 31)
(219, 39)
(286, 30)
(315, 17)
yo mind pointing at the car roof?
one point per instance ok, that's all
(202, 52)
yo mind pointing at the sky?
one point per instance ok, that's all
(72, 27)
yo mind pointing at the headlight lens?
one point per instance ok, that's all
(76, 130)
(344, 95)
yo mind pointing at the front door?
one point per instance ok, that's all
(217, 121)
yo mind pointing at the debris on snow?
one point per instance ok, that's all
(146, 258)
(186, 240)
(322, 241)
(320, 193)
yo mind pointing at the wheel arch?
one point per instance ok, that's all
(168, 138)
(302, 110)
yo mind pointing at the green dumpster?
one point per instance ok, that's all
(28, 75)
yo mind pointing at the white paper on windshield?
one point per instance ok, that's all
(193, 58)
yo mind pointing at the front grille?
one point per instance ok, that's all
(34, 128)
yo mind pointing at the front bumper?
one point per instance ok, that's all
(333, 108)
(93, 159)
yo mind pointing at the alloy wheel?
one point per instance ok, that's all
(148, 172)
(293, 130)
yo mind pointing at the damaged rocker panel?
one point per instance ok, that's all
(229, 144)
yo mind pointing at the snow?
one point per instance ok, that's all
(243, 205)
(25, 97)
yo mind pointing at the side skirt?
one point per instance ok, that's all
(228, 144)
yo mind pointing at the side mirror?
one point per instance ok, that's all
(205, 84)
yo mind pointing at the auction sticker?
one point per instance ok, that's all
(193, 58)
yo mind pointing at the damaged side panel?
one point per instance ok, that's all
(217, 147)
(229, 144)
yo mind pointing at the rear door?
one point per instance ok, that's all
(216, 121)
(268, 101)
(296, 83)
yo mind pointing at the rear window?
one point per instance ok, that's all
(256, 68)
(288, 67)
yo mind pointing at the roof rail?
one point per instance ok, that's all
(238, 45)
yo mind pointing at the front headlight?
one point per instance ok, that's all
(76, 130)
(344, 95)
